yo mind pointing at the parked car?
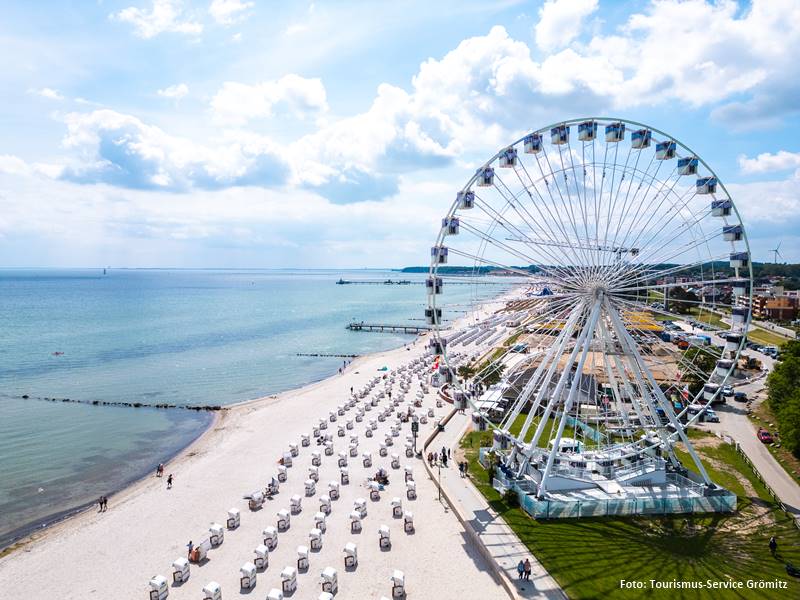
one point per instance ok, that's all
(727, 391)
(740, 397)
(764, 436)
(709, 416)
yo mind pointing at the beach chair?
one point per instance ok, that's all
(275, 594)
(342, 462)
(216, 534)
(261, 560)
(212, 591)
(350, 555)
(368, 433)
(313, 473)
(411, 490)
(340, 431)
(409, 472)
(382, 417)
(315, 539)
(328, 448)
(159, 589)
(323, 424)
(311, 487)
(293, 450)
(361, 506)
(316, 458)
(355, 522)
(349, 425)
(423, 419)
(284, 520)
(359, 417)
(438, 404)
(296, 504)
(397, 507)
(430, 412)
(344, 475)
(180, 570)
(383, 450)
(384, 538)
(315, 431)
(409, 450)
(305, 440)
(289, 580)
(270, 534)
(366, 459)
(332, 416)
(374, 491)
(398, 580)
(302, 558)
(408, 521)
(325, 504)
(234, 518)
(353, 450)
(388, 440)
(333, 490)
(340, 410)
(199, 552)
(282, 473)
(255, 501)
(287, 459)
(354, 439)
(320, 521)
(330, 580)
(395, 461)
(247, 576)
(373, 425)
(325, 596)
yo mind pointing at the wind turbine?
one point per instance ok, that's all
(777, 252)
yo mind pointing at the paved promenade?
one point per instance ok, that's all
(499, 540)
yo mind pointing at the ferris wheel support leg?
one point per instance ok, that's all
(659, 394)
(562, 381)
(586, 335)
(612, 380)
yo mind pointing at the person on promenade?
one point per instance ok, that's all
(773, 545)
(461, 469)
(527, 569)
(444, 460)
(190, 546)
(169, 481)
(160, 470)
(466, 468)
(520, 570)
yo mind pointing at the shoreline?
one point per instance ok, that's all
(40, 530)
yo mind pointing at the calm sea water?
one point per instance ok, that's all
(152, 336)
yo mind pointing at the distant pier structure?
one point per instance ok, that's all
(387, 328)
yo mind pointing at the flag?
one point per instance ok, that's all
(436, 364)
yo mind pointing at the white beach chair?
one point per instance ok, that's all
(333, 490)
(332, 416)
(159, 589)
(296, 504)
(397, 507)
(275, 594)
(368, 433)
(316, 458)
(353, 450)
(320, 522)
(408, 521)
(384, 537)
(289, 580)
(212, 591)
(255, 501)
(313, 473)
(398, 580)
(305, 440)
(287, 459)
(361, 506)
(350, 555)
(216, 534)
(344, 475)
(325, 596)
(282, 475)
(328, 448)
(325, 504)
(409, 472)
(293, 450)
(284, 520)
(261, 559)
(340, 431)
(342, 462)
(330, 580)
(388, 440)
(383, 450)
(374, 490)
(411, 490)
(234, 518)
(315, 539)
(409, 450)
(366, 459)
(270, 534)
(349, 424)
(395, 461)
(180, 570)
(302, 558)
(355, 521)
(311, 487)
(340, 410)
(247, 576)
(323, 424)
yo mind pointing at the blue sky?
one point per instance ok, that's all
(246, 133)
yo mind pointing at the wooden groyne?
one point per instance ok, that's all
(195, 407)
(321, 355)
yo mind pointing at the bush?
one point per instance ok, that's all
(510, 498)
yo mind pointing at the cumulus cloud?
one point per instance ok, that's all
(560, 22)
(767, 162)
(174, 92)
(121, 150)
(236, 103)
(164, 16)
(229, 12)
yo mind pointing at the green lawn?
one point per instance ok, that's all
(588, 557)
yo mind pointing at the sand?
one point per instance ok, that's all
(113, 555)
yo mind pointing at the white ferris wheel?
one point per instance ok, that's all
(621, 240)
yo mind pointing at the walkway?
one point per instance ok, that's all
(499, 540)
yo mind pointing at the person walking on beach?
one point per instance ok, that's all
(160, 470)
(169, 481)
(527, 569)
(100, 504)
(520, 569)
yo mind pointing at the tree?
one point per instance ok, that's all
(693, 362)
(680, 300)
(783, 387)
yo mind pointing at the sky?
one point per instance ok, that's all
(248, 133)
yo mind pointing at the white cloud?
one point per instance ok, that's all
(48, 93)
(560, 22)
(229, 12)
(174, 92)
(165, 16)
(296, 28)
(236, 103)
(767, 162)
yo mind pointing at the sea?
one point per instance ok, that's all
(176, 337)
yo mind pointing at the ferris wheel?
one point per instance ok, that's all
(632, 270)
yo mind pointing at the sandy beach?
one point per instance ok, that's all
(113, 555)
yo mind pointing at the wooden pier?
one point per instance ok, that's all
(384, 328)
